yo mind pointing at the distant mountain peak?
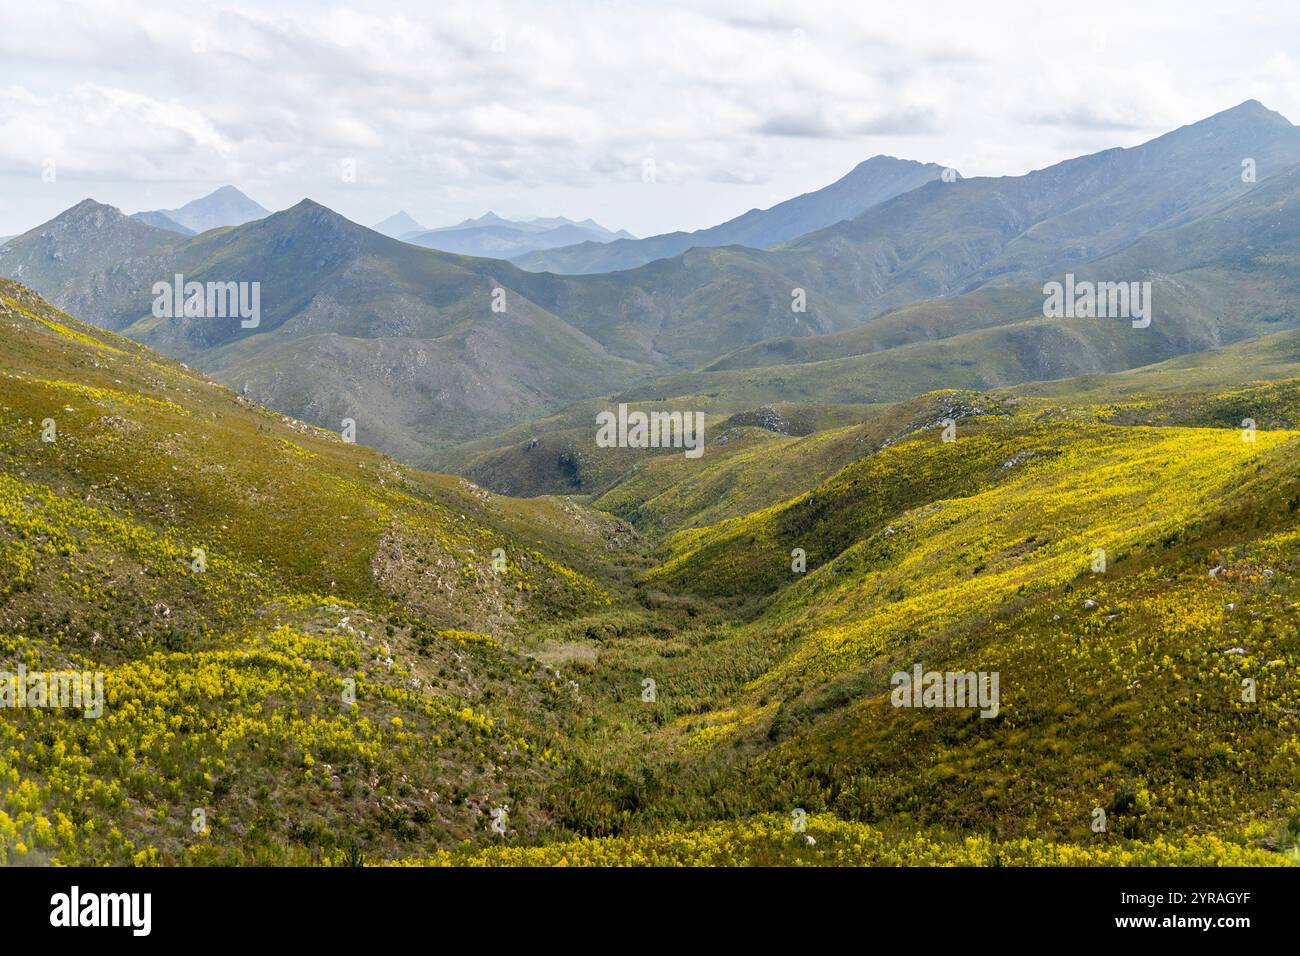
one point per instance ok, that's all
(1251, 112)
(224, 206)
(488, 218)
(308, 210)
(493, 236)
(397, 225)
(887, 159)
(225, 192)
(886, 163)
(1254, 107)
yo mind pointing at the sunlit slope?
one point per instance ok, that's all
(1120, 689)
(137, 434)
(928, 530)
(828, 841)
(753, 457)
(235, 575)
(757, 468)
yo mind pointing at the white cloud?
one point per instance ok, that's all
(551, 108)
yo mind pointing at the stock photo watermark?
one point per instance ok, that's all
(177, 299)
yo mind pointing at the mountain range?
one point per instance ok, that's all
(867, 184)
(406, 337)
(939, 285)
(494, 237)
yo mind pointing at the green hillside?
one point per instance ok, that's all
(523, 685)
(1120, 689)
(224, 668)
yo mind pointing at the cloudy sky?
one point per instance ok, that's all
(450, 108)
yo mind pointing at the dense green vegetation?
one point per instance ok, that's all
(647, 675)
(322, 563)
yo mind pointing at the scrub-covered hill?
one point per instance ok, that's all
(239, 580)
